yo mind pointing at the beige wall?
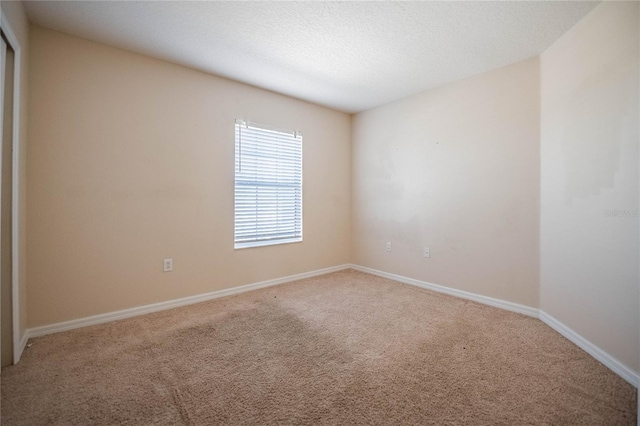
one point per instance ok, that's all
(131, 160)
(455, 169)
(589, 157)
(14, 12)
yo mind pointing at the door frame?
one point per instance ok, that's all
(19, 342)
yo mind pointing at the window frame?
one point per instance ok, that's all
(288, 176)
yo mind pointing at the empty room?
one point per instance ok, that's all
(320, 212)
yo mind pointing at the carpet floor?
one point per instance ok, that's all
(343, 348)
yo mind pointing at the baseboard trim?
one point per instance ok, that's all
(156, 307)
(609, 361)
(23, 344)
(502, 304)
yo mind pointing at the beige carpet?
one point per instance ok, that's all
(344, 348)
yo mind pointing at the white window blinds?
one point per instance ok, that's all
(268, 186)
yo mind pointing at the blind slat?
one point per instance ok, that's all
(268, 186)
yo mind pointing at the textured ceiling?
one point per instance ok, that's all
(350, 56)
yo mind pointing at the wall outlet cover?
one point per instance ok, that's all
(167, 265)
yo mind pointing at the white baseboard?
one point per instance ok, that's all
(502, 304)
(612, 363)
(22, 345)
(609, 361)
(593, 350)
(155, 307)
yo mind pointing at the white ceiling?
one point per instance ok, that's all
(350, 56)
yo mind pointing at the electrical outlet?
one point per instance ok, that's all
(167, 265)
(388, 245)
(426, 252)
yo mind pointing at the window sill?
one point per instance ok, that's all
(251, 244)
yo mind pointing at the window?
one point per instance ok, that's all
(268, 186)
